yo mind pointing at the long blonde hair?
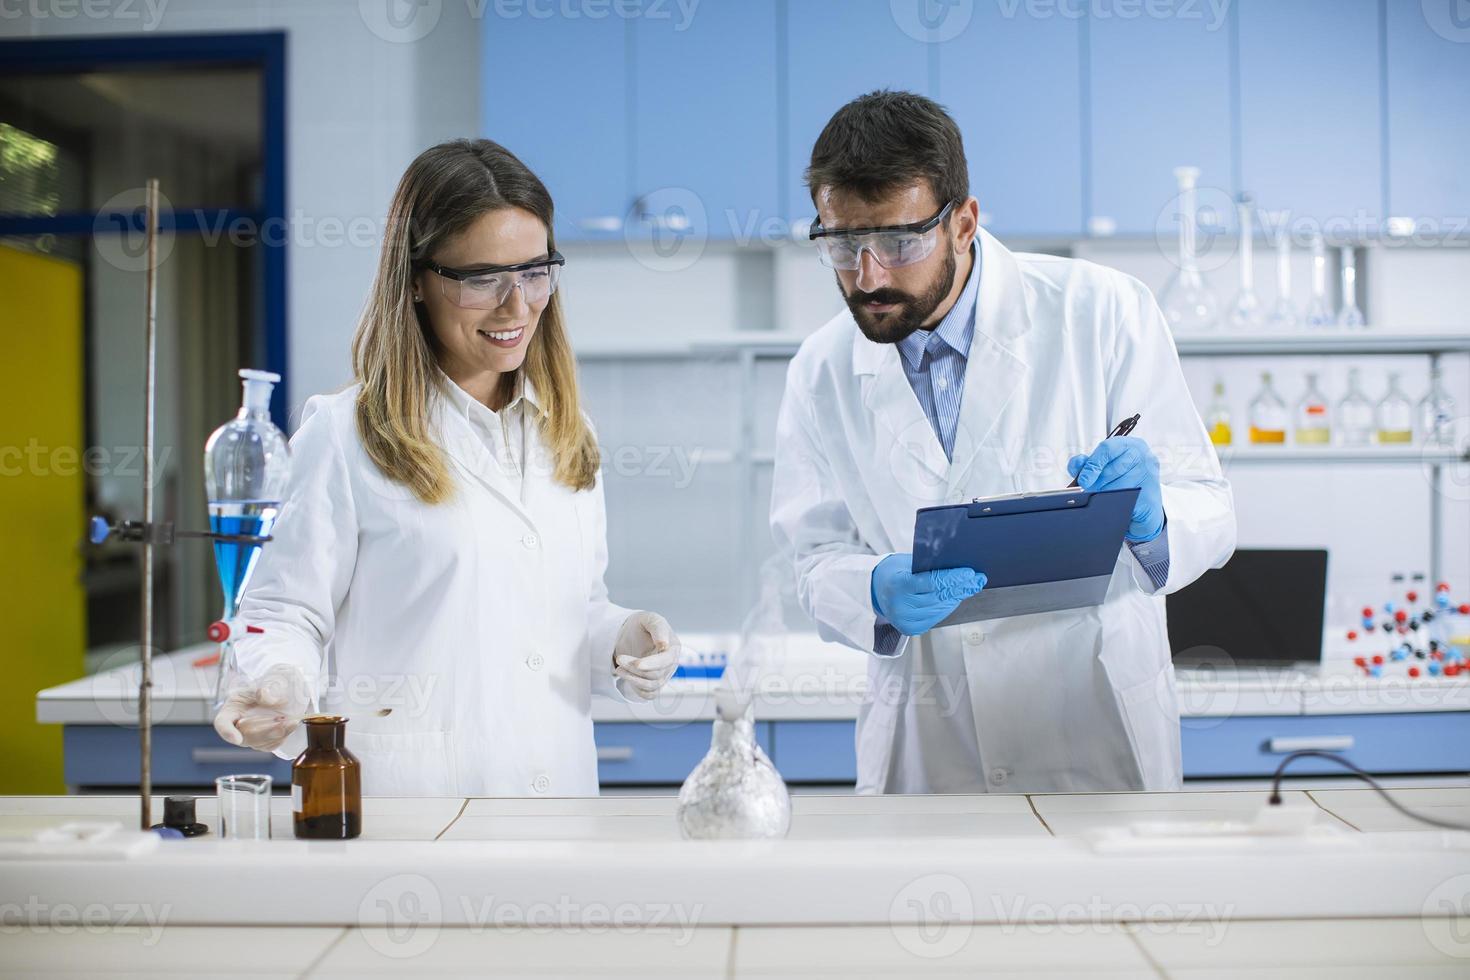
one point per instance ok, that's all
(443, 191)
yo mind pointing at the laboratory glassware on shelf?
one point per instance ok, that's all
(1284, 314)
(1187, 301)
(1436, 416)
(246, 466)
(1313, 426)
(1394, 416)
(1354, 416)
(1217, 417)
(1267, 415)
(1349, 315)
(1319, 312)
(1245, 313)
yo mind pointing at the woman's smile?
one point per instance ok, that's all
(504, 339)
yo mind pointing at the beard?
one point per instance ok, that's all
(912, 311)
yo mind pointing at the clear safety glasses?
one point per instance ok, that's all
(892, 246)
(487, 287)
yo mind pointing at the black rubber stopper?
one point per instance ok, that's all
(179, 814)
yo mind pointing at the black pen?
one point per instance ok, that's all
(1121, 429)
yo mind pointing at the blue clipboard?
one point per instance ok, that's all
(1040, 552)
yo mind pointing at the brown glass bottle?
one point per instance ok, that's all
(326, 783)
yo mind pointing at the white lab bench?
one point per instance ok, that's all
(1237, 723)
(871, 886)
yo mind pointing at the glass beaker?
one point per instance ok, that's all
(1245, 313)
(1188, 304)
(247, 463)
(244, 807)
(1217, 418)
(1268, 415)
(1395, 415)
(1354, 415)
(1313, 427)
(1437, 414)
(1319, 313)
(1349, 315)
(1283, 313)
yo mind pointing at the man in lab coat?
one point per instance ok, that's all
(960, 370)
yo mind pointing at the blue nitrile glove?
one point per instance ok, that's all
(915, 603)
(1120, 463)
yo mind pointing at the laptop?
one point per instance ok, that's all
(1265, 608)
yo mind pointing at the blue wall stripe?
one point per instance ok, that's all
(1385, 157)
(1084, 115)
(783, 108)
(1237, 130)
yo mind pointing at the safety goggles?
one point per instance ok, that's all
(488, 287)
(892, 246)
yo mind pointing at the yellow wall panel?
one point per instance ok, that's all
(42, 498)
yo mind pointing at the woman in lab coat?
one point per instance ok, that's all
(436, 572)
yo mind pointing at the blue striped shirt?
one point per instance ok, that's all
(934, 361)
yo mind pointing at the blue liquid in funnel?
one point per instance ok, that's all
(236, 559)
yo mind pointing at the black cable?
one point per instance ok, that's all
(1275, 799)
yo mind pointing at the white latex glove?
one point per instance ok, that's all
(645, 655)
(262, 716)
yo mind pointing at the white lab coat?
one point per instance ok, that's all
(1065, 701)
(483, 622)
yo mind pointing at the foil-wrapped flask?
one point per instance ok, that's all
(735, 792)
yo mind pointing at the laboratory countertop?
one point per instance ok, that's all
(880, 886)
(813, 680)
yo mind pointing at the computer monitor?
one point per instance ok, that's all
(1265, 607)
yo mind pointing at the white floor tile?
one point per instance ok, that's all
(955, 949)
(531, 950)
(1323, 973)
(186, 950)
(1387, 945)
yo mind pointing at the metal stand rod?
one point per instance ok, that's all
(1436, 509)
(145, 683)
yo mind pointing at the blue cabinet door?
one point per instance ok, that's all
(98, 756)
(815, 751)
(1427, 742)
(706, 119)
(554, 91)
(1011, 82)
(835, 51)
(1159, 98)
(631, 753)
(1428, 71)
(1311, 112)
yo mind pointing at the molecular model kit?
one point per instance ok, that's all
(1415, 635)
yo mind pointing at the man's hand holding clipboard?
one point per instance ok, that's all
(1121, 462)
